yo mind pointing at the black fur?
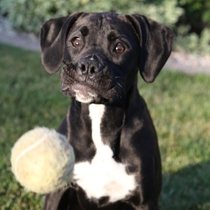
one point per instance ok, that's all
(126, 126)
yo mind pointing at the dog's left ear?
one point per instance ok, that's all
(156, 42)
(52, 40)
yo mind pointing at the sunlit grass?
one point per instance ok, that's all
(179, 105)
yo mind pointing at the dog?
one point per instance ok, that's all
(117, 158)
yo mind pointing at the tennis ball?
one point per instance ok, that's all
(42, 160)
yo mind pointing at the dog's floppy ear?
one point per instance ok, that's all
(53, 37)
(156, 42)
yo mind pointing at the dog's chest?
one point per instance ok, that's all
(103, 176)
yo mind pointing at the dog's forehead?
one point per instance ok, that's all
(104, 22)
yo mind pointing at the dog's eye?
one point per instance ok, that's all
(76, 42)
(119, 48)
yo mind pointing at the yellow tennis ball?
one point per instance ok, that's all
(42, 160)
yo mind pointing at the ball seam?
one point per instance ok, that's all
(26, 151)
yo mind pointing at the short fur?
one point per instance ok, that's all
(101, 55)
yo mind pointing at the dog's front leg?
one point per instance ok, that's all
(64, 199)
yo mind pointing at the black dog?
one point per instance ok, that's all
(118, 163)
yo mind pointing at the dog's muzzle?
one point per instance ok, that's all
(82, 87)
(88, 81)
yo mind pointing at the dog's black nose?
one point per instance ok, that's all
(88, 67)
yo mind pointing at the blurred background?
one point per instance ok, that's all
(179, 102)
(190, 19)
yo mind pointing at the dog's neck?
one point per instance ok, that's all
(100, 124)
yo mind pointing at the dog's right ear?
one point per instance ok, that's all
(52, 40)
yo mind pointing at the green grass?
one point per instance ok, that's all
(179, 105)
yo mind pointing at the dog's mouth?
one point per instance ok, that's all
(101, 89)
(80, 91)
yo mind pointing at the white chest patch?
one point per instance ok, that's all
(103, 176)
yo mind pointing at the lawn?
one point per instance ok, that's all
(179, 104)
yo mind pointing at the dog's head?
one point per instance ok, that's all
(102, 53)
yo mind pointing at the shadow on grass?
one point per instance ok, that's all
(187, 189)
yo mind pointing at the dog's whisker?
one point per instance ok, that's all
(118, 95)
(119, 85)
(118, 77)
